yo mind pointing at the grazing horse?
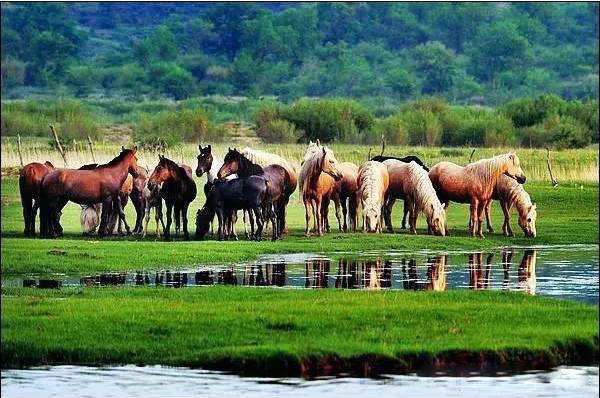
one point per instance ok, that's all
(178, 189)
(509, 192)
(474, 183)
(317, 183)
(30, 181)
(280, 182)
(265, 159)
(411, 182)
(406, 159)
(85, 187)
(251, 193)
(345, 193)
(373, 182)
(208, 163)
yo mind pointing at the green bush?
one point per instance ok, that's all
(566, 132)
(393, 128)
(526, 112)
(424, 127)
(477, 127)
(278, 130)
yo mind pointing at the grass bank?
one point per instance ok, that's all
(272, 332)
(566, 215)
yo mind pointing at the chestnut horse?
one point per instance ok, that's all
(474, 183)
(346, 195)
(317, 183)
(280, 182)
(30, 181)
(178, 189)
(85, 187)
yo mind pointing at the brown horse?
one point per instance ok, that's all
(178, 190)
(85, 187)
(474, 183)
(280, 182)
(346, 195)
(317, 183)
(30, 181)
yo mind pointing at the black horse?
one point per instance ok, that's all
(225, 197)
(406, 159)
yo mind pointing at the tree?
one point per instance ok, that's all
(437, 65)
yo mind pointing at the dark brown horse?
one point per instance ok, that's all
(85, 187)
(30, 181)
(280, 182)
(178, 189)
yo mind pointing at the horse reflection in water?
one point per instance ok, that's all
(479, 275)
(317, 273)
(526, 273)
(273, 275)
(436, 275)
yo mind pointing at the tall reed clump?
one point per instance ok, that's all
(168, 128)
(72, 120)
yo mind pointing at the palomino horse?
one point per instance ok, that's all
(178, 189)
(30, 181)
(280, 182)
(317, 183)
(345, 194)
(373, 182)
(474, 183)
(85, 187)
(411, 182)
(509, 192)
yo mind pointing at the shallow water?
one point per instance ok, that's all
(569, 272)
(157, 381)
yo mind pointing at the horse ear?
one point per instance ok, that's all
(208, 147)
(432, 208)
(318, 142)
(200, 147)
(134, 149)
(533, 207)
(122, 148)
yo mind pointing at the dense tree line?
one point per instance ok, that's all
(483, 53)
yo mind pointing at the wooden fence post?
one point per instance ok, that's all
(554, 182)
(91, 149)
(19, 149)
(60, 148)
(471, 157)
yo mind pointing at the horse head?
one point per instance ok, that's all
(162, 172)
(329, 164)
(205, 160)
(49, 165)
(437, 219)
(129, 157)
(231, 164)
(513, 168)
(527, 221)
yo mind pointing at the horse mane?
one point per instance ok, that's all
(248, 166)
(117, 159)
(370, 182)
(514, 193)
(421, 189)
(265, 159)
(486, 169)
(90, 166)
(312, 165)
(406, 159)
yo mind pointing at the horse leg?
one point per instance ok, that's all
(387, 213)
(121, 214)
(147, 219)
(307, 214)
(324, 215)
(480, 212)
(221, 219)
(244, 215)
(177, 214)
(139, 204)
(234, 219)
(506, 227)
(34, 211)
(273, 218)
(344, 204)
(405, 210)
(251, 219)
(184, 210)
(61, 204)
(27, 203)
(487, 217)
(259, 223)
(412, 216)
(318, 216)
(167, 230)
(473, 215)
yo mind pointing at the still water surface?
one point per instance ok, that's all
(157, 381)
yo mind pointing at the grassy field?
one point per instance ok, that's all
(567, 214)
(274, 332)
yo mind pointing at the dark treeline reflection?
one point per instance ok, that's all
(477, 271)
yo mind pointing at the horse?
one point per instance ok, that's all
(406, 159)
(265, 159)
(30, 181)
(153, 200)
(509, 192)
(252, 193)
(138, 198)
(474, 183)
(411, 182)
(526, 272)
(85, 187)
(280, 181)
(208, 163)
(345, 194)
(90, 218)
(317, 183)
(373, 182)
(436, 275)
(178, 190)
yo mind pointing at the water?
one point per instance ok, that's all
(569, 272)
(157, 381)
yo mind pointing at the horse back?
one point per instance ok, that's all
(30, 179)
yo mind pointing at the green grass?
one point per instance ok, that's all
(276, 332)
(566, 215)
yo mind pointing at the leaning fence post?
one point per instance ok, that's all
(554, 182)
(19, 149)
(471, 157)
(60, 148)
(91, 149)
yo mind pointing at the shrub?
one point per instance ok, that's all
(278, 130)
(393, 128)
(526, 112)
(424, 127)
(566, 132)
(478, 127)
(13, 73)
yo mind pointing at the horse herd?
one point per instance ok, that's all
(260, 184)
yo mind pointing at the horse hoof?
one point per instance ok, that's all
(186, 237)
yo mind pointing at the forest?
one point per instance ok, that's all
(413, 71)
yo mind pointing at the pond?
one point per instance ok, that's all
(569, 272)
(157, 381)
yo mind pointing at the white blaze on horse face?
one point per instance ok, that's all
(372, 219)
